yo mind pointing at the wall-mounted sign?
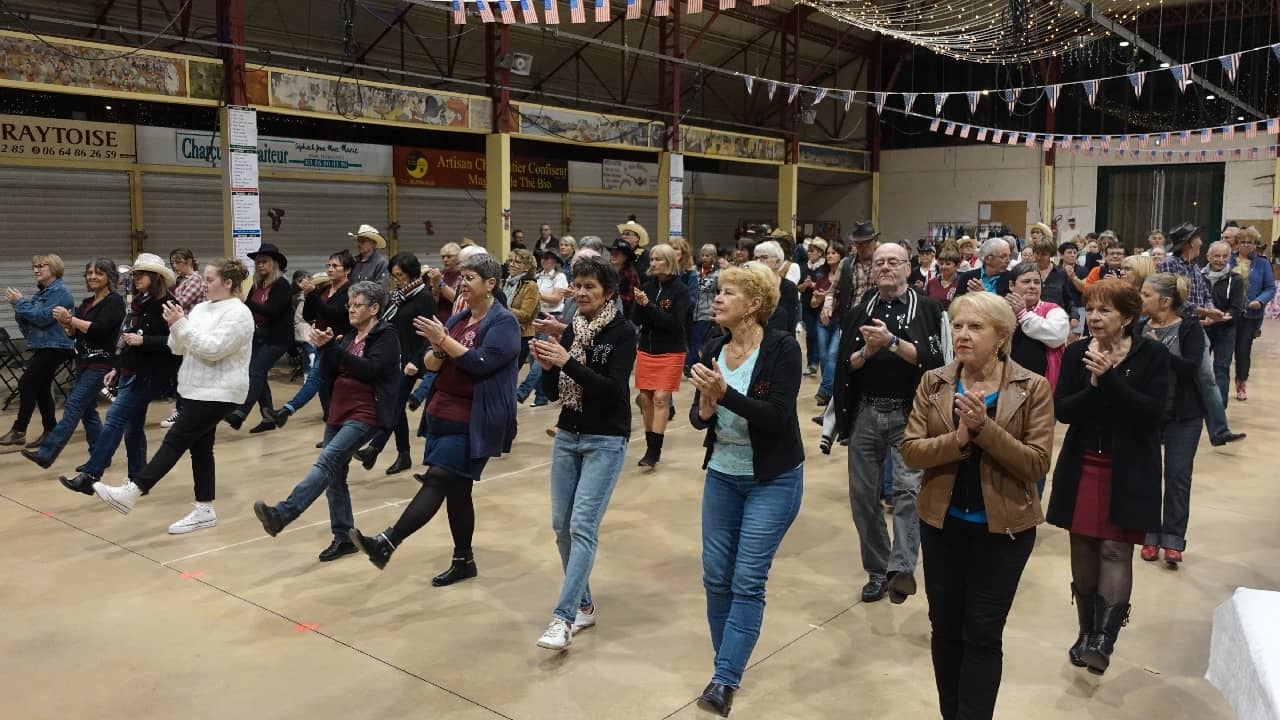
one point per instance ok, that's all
(831, 158)
(204, 149)
(48, 139)
(425, 167)
(629, 175)
(735, 146)
(573, 126)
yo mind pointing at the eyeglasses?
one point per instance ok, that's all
(889, 262)
(351, 305)
(37, 266)
(446, 256)
(764, 257)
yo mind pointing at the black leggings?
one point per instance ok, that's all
(440, 486)
(1104, 567)
(35, 388)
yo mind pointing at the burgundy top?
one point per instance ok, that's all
(451, 399)
(352, 398)
(259, 296)
(944, 296)
(452, 278)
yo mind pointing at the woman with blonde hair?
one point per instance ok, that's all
(747, 382)
(49, 345)
(981, 428)
(523, 299)
(1136, 269)
(661, 313)
(1259, 291)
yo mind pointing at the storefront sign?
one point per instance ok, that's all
(204, 149)
(629, 175)
(425, 167)
(48, 139)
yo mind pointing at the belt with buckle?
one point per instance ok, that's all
(883, 404)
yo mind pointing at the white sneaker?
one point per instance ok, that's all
(169, 421)
(198, 519)
(584, 620)
(122, 497)
(557, 636)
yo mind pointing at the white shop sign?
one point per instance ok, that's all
(202, 149)
(629, 175)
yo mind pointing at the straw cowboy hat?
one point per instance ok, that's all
(270, 250)
(321, 278)
(637, 228)
(1044, 229)
(369, 232)
(151, 262)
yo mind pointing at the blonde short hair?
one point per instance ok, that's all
(1140, 267)
(668, 253)
(1250, 232)
(757, 281)
(56, 266)
(995, 310)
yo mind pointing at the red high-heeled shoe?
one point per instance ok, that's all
(1172, 557)
(1242, 392)
(1150, 553)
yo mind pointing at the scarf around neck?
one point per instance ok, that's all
(584, 335)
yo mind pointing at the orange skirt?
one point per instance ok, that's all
(659, 372)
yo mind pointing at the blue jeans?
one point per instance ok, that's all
(531, 384)
(80, 407)
(126, 420)
(584, 471)
(1222, 346)
(812, 352)
(424, 387)
(310, 387)
(828, 348)
(329, 476)
(697, 333)
(743, 522)
(1215, 410)
(1180, 439)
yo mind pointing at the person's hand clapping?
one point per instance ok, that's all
(642, 298)
(173, 312)
(430, 328)
(319, 338)
(975, 285)
(709, 380)
(1017, 303)
(12, 295)
(549, 353)
(876, 334)
(1097, 364)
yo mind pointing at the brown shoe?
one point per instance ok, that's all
(13, 438)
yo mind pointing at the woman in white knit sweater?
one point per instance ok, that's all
(215, 342)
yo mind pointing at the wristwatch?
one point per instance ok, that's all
(893, 344)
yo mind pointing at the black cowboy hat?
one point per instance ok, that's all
(1181, 235)
(621, 246)
(551, 253)
(270, 250)
(863, 232)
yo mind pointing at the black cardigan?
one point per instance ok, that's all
(662, 321)
(97, 345)
(769, 406)
(152, 358)
(332, 311)
(379, 367)
(1186, 369)
(279, 312)
(605, 381)
(786, 316)
(1124, 409)
(412, 345)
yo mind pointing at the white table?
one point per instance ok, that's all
(1244, 653)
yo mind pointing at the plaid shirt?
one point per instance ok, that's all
(1199, 295)
(189, 291)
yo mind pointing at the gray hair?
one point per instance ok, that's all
(106, 266)
(1218, 244)
(483, 265)
(772, 248)
(709, 247)
(570, 240)
(591, 242)
(990, 246)
(372, 292)
(469, 252)
(450, 248)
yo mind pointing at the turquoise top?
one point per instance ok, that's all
(975, 516)
(732, 454)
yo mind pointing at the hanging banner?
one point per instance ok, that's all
(819, 95)
(880, 98)
(792, 92)
(939, 99)
(1010, 98)
(203, 149)
(1181, 76)
(1137, 80)
(848, 100)
(750, 81)
(771, 87)
(426, 167)
(602, 10)
(26, 137)
(675, 195)
(908, 99)
(1051, 93)
(973, 101)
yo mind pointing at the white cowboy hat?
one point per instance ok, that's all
(637, 228)
(321, 278)
(151, 262)
(370, 232)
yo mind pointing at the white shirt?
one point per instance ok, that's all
(215, 342)
(548, 282)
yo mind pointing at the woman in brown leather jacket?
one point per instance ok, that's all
(981, 430)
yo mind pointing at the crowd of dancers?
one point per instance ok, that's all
(943, 370)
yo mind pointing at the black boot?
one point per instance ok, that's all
(1084, 613)
(402, 463)
(367, 457)
(378, 548)
(717, 698)
(1107, 621)
(279, 417)
(463, 568)
(653, 450)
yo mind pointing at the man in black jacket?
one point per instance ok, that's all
(889, 339)
(1227, 289)
(363, 371)
(994, 253)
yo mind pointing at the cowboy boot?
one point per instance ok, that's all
(1084, 614)
(1107, 619)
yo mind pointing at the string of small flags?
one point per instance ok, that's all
(600, 10)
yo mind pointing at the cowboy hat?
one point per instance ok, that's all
(862, 232)
(621, 246)
(551, 253)
(151, 262)
(321, 278)
(270, 250)
(1180, 236)
(637, 228)
(1044, 230)
(369, 232)
(779, 233)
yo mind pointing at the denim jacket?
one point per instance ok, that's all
(35, 317)
(1261, 287)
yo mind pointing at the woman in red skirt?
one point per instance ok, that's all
(1112, 392)
(661, 313)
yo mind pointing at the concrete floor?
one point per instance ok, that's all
(107, 616)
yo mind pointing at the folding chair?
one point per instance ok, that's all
(65, 378)
(12, 363)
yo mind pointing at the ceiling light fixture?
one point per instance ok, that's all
(1211, 96)
(1124, 43)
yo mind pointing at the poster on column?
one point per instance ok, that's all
(244, 172)
(676, 195)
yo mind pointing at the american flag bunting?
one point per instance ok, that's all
(459, 14)
(551, 11)
(507, 12)
(933, 126)
(633, 11)
(530, 15)
(693, 6)
(602, 10)
(578, 14)
(982, 135)
(486, 15)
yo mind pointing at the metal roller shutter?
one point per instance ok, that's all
(183, 211)
(78, 214)
(453, 214)
(715, 221)
(318, 215)
(529, 210)
(600, 214)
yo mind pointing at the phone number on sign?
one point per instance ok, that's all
(58, 152)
